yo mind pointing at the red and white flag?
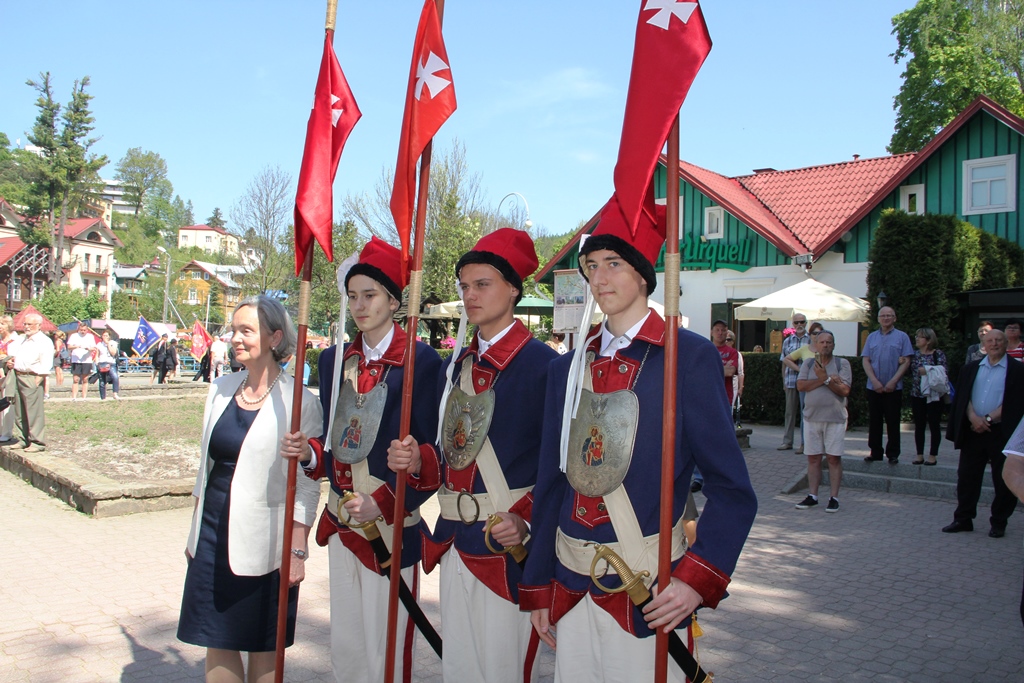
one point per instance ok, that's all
(672, 43)
(201, 341)
(334, 115)
(429, 102)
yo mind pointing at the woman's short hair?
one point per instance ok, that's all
(929, 334)
(272, 317)
(815, 326)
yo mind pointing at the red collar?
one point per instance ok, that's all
(395, 355)
(502, 353)
(652, 331)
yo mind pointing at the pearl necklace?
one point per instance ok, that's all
(241, 391)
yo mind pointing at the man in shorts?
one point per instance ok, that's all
(826, 379)
(82, 345)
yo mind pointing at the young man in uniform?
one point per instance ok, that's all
(490, 467)
(361, 423)
(614, 500)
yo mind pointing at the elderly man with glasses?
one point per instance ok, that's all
(886, 357)
(790, 371)
(31, 358)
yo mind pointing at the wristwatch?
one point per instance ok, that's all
(988, 419)
(828, 380)
(301, 554)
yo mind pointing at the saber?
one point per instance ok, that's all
(380, 550)
(634, 586)
(517, 551)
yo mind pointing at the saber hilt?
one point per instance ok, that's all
(517, 551)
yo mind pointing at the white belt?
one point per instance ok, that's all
(474, 506)
(577, 555)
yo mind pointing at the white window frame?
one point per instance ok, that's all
(906, 192)
(714, 211)
(663, 202)
(1009, 162)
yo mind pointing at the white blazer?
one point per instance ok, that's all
(256, 510)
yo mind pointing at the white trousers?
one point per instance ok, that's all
(486, 638)
(593, 647)
(359, 620)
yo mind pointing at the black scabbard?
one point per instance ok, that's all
(405, 595)
(684, 658)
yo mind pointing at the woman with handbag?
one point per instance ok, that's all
(106, 364)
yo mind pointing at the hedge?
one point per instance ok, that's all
(313, 358)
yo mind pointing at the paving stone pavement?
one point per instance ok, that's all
(874, 592)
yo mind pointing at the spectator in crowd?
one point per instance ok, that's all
(989, 404)
(106, 365)
(757, 349)
(825, 381)
(976, 351)
(8, 384)
(557, 342)
(796, 360)
(60, 355)
(1013, 474)
(165, 359)
(82, 345)
(31, 359)
(789, 374)
(886, 358)
(730, 366)
(1014, 346)
(218, 357)
(928, 384)
(230, 598)
(737, 379)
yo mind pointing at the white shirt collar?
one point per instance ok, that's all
(610, 344)
(378, 351)
(483, 344)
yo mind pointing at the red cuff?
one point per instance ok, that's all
(703, 577)
(385, 498)
(524, 507)
(319, 471)
(429, 478)
(534, 597)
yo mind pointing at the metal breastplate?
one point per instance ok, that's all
(601, 439)
(361, 415)
(467, 419)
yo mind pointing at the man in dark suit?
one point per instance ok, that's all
(989, 404)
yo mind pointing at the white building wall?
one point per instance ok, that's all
(703, 288)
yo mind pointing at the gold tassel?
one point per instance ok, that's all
(697, 630)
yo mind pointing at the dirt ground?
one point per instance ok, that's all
(128, 441)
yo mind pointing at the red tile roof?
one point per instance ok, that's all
(76, 226)
(813, 202)
(203, 227)
(9, 246)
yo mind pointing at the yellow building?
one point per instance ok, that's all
(197, 279)
(210, 239)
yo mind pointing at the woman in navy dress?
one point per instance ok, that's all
(229, 603)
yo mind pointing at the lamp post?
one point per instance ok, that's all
(167, 279)
(883, 299)
(527, 224)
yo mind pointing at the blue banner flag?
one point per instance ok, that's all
(145, 338)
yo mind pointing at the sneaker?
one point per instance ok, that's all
(833, 505)
(696, 486)
(46, 397)
(808, 502)
(34, 448)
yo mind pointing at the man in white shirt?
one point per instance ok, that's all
(218, 357)
(82, 345)
(32, 361)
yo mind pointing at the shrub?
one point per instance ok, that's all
(313, 358)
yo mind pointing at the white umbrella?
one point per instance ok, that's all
(811, 298)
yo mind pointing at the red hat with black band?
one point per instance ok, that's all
(509, 251)
(640, 250)
(381, 262)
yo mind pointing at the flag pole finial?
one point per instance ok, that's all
(332, 13)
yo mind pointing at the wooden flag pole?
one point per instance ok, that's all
(408, 374)
(302, 323)
(668, 426)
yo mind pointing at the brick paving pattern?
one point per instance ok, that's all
(873, 593)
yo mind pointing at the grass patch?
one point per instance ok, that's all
(155, 420)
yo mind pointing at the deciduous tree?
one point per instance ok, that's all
(955, 50)
(139, 173)
(261, 216)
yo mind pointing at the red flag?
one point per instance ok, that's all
(429, 102)
(672, 43)
(201, 341)
(334, 114)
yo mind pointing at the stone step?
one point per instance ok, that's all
(915, 480)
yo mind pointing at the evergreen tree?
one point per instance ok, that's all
(44, 135)
(216, 220)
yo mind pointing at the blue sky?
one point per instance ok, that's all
(222, 89)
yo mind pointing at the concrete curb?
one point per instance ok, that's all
(92, 493)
